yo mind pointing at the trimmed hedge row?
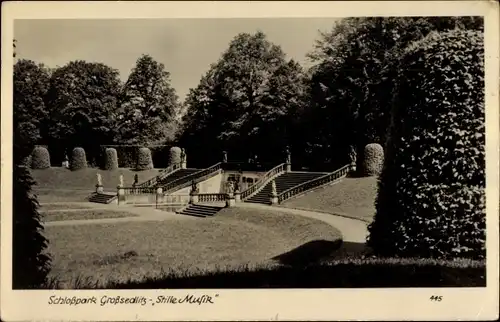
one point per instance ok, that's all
(111, 158)
(431, 198)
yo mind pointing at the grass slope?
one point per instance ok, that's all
(49, 216)
(136, 250)
(60, 184)
(353, 197)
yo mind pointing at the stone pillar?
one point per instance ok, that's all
(121, 195)
(237, 196)
(193, 198)
(159, 195)
(230, 200)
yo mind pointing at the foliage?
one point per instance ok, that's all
(352, 78)
(144, 159)
(40, 158)
(83, 105)
(78, 159)
(374, 159)
(30, 85)
(175, 155)
(245, 95)
(431, 199)
(30, 263)
(111, 159)
(148, 105)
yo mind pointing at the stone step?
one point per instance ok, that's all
(200, 210)
(101, 198)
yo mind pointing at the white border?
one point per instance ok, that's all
(323, 304)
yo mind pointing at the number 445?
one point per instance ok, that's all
(436, 298)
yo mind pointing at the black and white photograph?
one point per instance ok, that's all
(180, 154)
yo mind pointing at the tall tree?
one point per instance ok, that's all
(83, 100)
(30, 114)
(149, 104)
(354, 73)
(228, 109)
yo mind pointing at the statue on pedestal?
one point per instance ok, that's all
(183, 156)
(224, 157)
(99, 180)
(121, 180)
(288, 155)
(194, 187)
(274, 191)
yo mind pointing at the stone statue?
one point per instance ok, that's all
(353, 155)
(121, 180)
(99, 179)
(136, 180)
(274, 191)
(230, 187)
(183, 155)
(194, 187)
(236, 186)
(224, 156)
(288, 155)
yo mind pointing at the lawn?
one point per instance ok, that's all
(62, 178)
(353, 197)
(49, 216)
(135, 250)
(62, 206)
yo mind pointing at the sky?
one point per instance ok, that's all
(185, 46)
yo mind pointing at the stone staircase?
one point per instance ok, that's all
(198, 210)
(104, 198)
(284, 182)
(177, 175)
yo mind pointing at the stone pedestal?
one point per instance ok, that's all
(230, 202)
(99, 188)
(288, 167)
(193, 198)
(237, 196)
(183, 165)
(353, 167)
(274, 199)
(159, 195)
(121, 195)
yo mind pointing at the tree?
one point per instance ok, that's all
(83, 100)
(230, 108)
(30, 114)
(149, 104)
(30, 262)
(354, 74)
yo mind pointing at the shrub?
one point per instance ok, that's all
(373, 159)
(111, 159)
(78, 159)
(144, 160)
(30, 263)
(431, 200)
(40, 158)
(175, 155)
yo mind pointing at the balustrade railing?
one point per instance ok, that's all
(197, 176)
(311, 184)
(138, 190)
(263, 180)
(212, 197)
(164, 173)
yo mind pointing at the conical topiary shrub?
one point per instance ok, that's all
(78, 159)
(40, 158)
(373, 159)
(111, 162)
(175, 155)
(144, 159)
